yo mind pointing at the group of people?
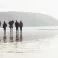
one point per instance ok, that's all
(17, 25)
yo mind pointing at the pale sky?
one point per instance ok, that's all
(49, 7)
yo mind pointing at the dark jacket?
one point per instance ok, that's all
(16, 24)
(20, 24)
(4, 25)
(11, 24)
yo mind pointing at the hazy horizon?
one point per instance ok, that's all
(29, 19)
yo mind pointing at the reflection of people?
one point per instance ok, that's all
(21, 25)
(17, 38)
(20, 37)
(11, 39)
(4, 26)
(4, 39)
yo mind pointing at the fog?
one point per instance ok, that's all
(29, 18)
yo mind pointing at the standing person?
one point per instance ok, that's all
(11, 24)
(0, 23)
(17, 30)
(21, 25)
(16, 25)
(11, 28)
(4, 26)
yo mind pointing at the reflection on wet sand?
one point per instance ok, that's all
(29, 36)
(28, 41)
(17, 35)
(11, 35)
(4, 37)
(11, 39)
(21, 37)
(18, 38)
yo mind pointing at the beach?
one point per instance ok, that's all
(32, 41)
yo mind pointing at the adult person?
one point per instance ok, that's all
(11, 24)
(16, 25)
(21, 25)
(0, 23)
(17, 30)
(4, 27)
(11, 27)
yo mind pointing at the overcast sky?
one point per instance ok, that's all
(49, 7)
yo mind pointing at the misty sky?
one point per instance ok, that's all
(49, 7)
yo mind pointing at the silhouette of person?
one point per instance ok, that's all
(21, 25)
(17, 31)
(4, 26)
(16, 25)
(11, 24)
(11, 29)
(0, 23)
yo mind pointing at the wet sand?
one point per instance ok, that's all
(43, 42)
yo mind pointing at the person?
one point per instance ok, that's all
(4, 26)
(21, 25)
(16, 25)
(0, 23)
(11, 24)
(17, 31)
(11, 27)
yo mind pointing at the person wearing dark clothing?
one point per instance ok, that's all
(11, 24)
(11, 28)
(17, 30)
(0, 23)
(4, 27)
(21, 25)
(16, 25)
